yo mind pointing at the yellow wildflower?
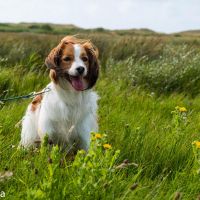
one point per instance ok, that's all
(197, 144)
(81, 151)
(107, 146)
(182, 109)
(98, 136)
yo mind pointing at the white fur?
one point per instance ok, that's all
(67, 117)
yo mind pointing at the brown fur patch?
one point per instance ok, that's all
(73, 40)
(36, 102)
(67, 57)
(93, 71)
(84, 56)
(53, 76)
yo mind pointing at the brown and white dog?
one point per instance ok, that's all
(67, 113)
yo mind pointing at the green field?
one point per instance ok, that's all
(146, 79)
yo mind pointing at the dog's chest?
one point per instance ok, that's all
(62, 122)
(71, 115)
(66, 115)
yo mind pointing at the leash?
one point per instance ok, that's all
(32, 94)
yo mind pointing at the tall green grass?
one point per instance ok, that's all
(142, 80)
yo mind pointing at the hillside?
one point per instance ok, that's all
(66, 29)
(190, 32)
(50, 28)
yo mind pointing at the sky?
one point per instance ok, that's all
(167, 16)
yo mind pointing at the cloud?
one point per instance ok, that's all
(159, 15)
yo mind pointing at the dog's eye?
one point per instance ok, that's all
(67, 59)
(85, 59)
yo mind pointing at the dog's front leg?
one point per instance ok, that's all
(85, 127)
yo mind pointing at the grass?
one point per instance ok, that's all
(141, 85)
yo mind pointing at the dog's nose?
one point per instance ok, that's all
(80, 70)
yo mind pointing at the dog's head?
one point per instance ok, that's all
(75, 61)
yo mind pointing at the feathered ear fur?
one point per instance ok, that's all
(93, 71)
(53, 59)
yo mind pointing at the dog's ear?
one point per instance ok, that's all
(93, 71)
(53, 59)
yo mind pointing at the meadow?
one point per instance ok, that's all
(149, 114)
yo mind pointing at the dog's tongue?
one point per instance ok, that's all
(77, 83)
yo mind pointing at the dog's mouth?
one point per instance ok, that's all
(77, 82)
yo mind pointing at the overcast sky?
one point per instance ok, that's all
(159, 15)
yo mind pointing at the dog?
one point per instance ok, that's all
(67, 112)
